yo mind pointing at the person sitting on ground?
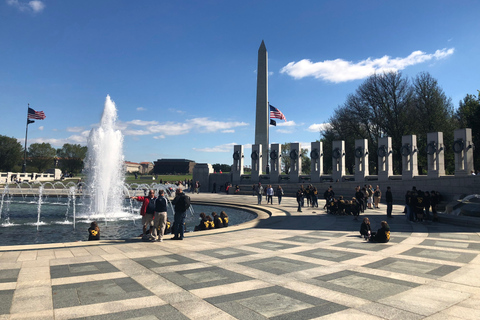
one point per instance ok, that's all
(217, 220)
(382, 235)
(93, 232)
(210, 223)
(365, 229)
(204, 224)
(224, 217)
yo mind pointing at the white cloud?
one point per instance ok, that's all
(34, 6)
(136, 132)
(339, 70)
(202, 125)
(74, 129)
(142, 122)
(318, 127)
(286, 124)
(212, 126)
(41, 128)
(170, 129)
(141, 109)
(228, 147)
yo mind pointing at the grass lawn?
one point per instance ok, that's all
(149, 178)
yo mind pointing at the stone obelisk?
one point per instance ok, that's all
(262, 115)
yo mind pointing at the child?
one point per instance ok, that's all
(93, 231)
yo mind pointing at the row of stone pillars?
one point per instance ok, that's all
(462, 147)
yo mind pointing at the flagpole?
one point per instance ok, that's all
(24, 167)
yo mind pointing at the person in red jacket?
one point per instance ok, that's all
(148, 209)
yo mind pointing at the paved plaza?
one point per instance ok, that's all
(283, 265)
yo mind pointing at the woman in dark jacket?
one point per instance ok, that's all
(365, 229)
(204, 224)
(217, 220)
(224, 217)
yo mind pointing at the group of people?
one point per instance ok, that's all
(268, 192)
(381, 236)
(212, 222)
(419, 204)
(154, 214)
(310, 194)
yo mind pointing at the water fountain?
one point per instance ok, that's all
(105, 164)
(48, 212)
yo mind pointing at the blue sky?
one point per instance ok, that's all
(183, 73)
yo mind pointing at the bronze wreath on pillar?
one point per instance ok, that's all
(254, 155)
(358, 152)
(382, 151)
(458, 146)
(236, 155)
(314, 154)
(336, 154)
(274, 155)
(294, 154)
(431, 148)
(405, 150)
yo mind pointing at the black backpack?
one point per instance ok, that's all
(182, 205)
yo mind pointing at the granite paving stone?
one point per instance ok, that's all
(284, 265)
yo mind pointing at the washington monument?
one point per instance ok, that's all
(262, 115)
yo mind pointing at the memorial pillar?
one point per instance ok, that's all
(237, 167)
(435, 155)
(385, 158)
(409, 157)
(295, 162)
(338, 160)
(361, 159)
(316, 156)
(275, 162)
(463, 149)
(256, 162)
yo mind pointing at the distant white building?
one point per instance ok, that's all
(142, 167)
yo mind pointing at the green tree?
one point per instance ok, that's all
(468, 116)
(41, 156)
(390, 105)
(431, 111)
(10, 153)
(306, 161)
(222, 167)
(71, 157)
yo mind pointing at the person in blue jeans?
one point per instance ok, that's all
(300, 199)
(181, 203)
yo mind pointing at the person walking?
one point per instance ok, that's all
(270, 194)
(181, 203)
(259, 192)
(389, 198)
(279, 194)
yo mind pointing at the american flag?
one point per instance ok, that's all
(37, 115)
(276, 114)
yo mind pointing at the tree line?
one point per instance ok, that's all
(40, 156)
(392, 105)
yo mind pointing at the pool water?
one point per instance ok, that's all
(19, 216)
